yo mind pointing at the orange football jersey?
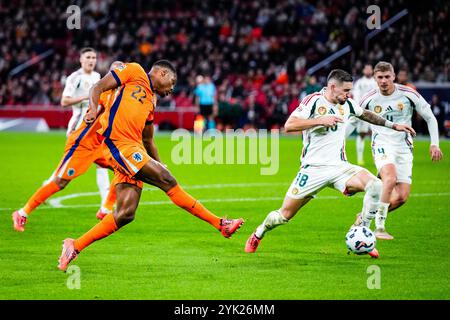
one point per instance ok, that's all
(87, 137)
(134, 105)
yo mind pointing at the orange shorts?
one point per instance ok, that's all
(126, 158)
(77, 158)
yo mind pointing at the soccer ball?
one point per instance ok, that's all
(360, 240)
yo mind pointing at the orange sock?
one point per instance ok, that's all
(101, 230)
(184, 200)
(42, 194)
(111, 198)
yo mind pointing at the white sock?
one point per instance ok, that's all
(273, 219)
(371, 201)
(104, 210)
(381, 215)
(103, 183)
(359, 148)
(23, 213)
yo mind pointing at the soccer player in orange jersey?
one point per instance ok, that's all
(81, 150)
(127, 128)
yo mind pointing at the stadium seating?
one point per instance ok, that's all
(257, 52)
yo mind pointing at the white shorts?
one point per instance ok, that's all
(401, 157)
(311, 179)
(362, 126)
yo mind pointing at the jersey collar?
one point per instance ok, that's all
(151, 83)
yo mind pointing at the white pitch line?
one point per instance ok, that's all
(166, 202)
(56, 202)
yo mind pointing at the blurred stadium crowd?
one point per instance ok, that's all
(255, 52)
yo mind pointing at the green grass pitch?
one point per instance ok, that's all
(168, 254)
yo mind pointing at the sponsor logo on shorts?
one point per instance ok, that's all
(137, 157)
(322, 110)
(70, 172)
(378, 109)
(295, 191)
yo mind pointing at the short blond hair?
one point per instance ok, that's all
(383, 66)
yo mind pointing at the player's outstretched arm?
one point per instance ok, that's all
(106, 83)
(67, 101)
(375, 119)
(149, 142)
(296, 124)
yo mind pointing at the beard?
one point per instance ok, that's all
(341, 100)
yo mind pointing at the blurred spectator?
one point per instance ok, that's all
(257, 48)
(311, 87)
(230, 111)
(439, 112)
(253, 115)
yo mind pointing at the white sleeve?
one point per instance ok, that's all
(424, 110)
(70, 87)
(358, 111)
(302, 111)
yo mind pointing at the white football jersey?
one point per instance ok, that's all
(397, 107)
(362, 87)
(321, 145)
(78, 84)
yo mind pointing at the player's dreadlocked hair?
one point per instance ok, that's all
(340, 76)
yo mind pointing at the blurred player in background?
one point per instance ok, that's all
(322, 118)
(81, 150)
(75, 95)
(205, 94)
(127, 130)
(402, 78)
(362, 86)
(393, 151)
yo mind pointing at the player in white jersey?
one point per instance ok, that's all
(393, 151)
(362, 86)
(322, 118)
(75, 95)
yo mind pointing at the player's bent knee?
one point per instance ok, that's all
(287, 213)
(402, 199)
(124, 217)
(168, 179)
(61, 183)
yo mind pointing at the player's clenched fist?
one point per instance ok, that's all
(89, 117)
(329, 121)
